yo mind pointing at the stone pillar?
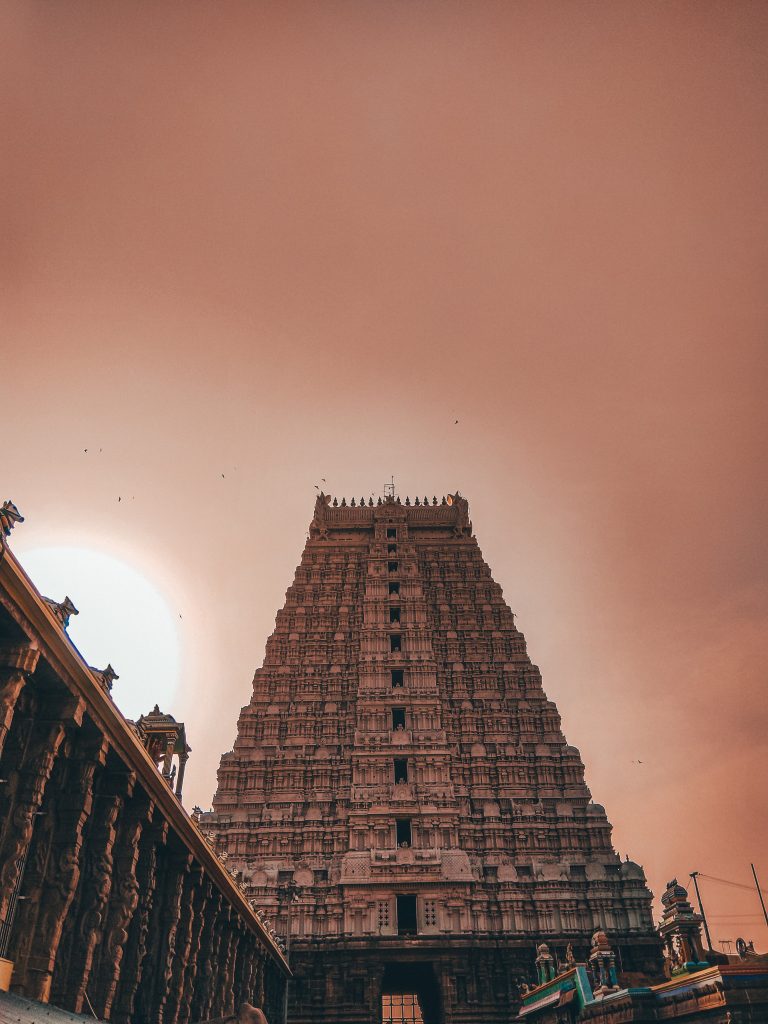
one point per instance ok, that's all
(28, 787)
(12, 761)
(226, 1006)
(67, 807)
(70, 985)
(17, 662)
(206, 973)
(153, 838)
(190, 906)
(183, 758)
(24, 915)
(274, 991)
(238, 965)
(219, 961)
(123, 903)
(164, 920)
(168, 759)
(177, 869)
(243, 968)
(202, 896)
(258, 980)
(253, 984)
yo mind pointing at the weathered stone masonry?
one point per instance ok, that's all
(400, 785)
(109, 894)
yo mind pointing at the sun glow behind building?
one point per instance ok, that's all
(124, 620)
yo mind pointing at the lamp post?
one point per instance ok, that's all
(288, 894)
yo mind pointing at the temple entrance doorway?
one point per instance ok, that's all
(410, 994)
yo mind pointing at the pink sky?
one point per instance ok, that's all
(286, 241)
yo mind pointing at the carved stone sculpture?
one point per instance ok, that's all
(17, 663)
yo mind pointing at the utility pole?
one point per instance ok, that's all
(759, 893)
(701, 908)
(290, 893)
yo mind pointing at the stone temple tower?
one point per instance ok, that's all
(400, 793)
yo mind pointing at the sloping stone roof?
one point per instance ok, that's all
(15, 1010)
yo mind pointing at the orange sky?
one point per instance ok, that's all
(286, 241)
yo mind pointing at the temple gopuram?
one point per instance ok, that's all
(113, 903)
(401, 834)
(400, 795)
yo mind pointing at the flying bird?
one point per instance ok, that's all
(455, 422)
(119, 499)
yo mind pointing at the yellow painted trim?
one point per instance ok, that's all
(6, 970)
(687, 979)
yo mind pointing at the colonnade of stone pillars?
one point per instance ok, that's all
(103, 907)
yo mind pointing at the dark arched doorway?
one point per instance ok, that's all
(410, 994)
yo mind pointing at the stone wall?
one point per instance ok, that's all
(111, 900)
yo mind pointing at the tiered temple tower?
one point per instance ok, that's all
(400, 793)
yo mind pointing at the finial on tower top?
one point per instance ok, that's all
(389, 490)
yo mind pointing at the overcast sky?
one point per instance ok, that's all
(281, 242)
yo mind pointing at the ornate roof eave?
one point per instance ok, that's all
(25, 604)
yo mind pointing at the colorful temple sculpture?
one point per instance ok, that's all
(680, 930)
(112, 901)
(400, 795)
(699, 987)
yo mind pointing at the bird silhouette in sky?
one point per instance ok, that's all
(455, 422)
(119, 499)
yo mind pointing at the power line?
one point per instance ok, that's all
(735, 917)
(725, 881)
